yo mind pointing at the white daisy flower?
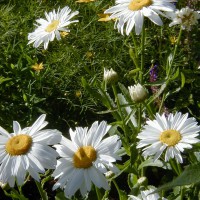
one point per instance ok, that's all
(85, 158)
(132, 12)
(27, 150)
(47, 29)
(186, 17)
(146, 195)
(171, 134)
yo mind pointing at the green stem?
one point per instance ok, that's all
(174, 53)
(119, 108)
(150, 112)
(41, 191)
(162, 102)
(142, 55)
(135, 59)
(118, 190)
(139, 117)
(160, 43)
(99, 195)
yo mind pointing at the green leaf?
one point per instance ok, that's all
(176, 74)
(151, 162)
(60, 196)
(132, 180)
(182, 80)
(190, 175)
(125, 92)
(3, 79)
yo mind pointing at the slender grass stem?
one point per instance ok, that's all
(149, 109)
(41, 191)
(119, 108)
(99, 195)
(174, 53)
(142, 55)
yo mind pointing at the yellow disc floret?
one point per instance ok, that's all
(18, 145)
(170, 137)
(139, 4)
(84, 157)
(52, 26)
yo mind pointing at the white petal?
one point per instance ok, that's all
(16, 127)
(98, 179)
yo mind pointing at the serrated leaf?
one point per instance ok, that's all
(190, 175)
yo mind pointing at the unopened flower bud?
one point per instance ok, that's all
(110, 76)
(138, 93)
(109, 174)
(3, 185)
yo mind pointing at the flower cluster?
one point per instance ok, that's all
(83, 160)
(86, 158)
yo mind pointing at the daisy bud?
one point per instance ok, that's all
(3, 185)
(138, 93)
(110, 76)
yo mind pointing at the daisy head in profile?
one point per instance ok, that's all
(49, 28)
(148, 194)
(27, 151)
(132, 13)
(170, 134)
(85, 159)
(186, 17)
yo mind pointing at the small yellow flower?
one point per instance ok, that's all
(84, 1)
(105, 18)
(38, 67)
(64, 34)
(173, 40)
(89, 54)
(78, 94)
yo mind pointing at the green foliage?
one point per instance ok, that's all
(71, 90)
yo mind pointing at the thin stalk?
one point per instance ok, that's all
(139, 117)
(142, 55)
(162, 102)
(41, 191)
(174, 53)
(118, 190)
(160, 43)
(135, 60)
(150, 112)
(99, 195)
(119, 108)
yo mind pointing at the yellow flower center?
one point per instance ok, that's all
(170, 137)
(84, 157)
(52, 26)
(19, 145)
(139, 4)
